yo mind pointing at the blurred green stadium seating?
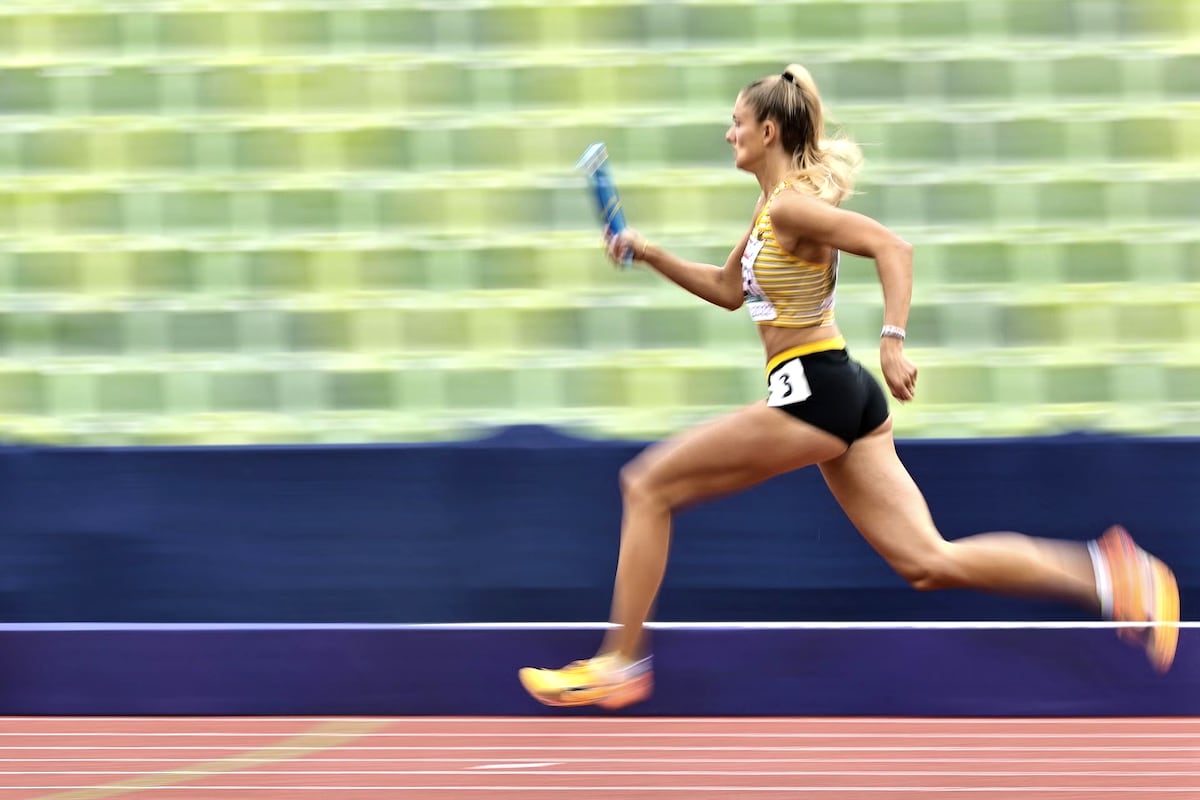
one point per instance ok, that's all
(251, 221)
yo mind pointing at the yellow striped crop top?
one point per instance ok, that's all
(780, 289)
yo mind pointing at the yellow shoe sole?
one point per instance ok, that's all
(609, 697)
(1164, 631)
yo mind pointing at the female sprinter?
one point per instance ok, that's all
(823, 408)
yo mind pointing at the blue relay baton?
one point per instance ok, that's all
(594, 164)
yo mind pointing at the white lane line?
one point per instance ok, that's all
(872, 625)
(1130, 790)
(589, 735)
(687, 773)
(710, 760)
(644, 748)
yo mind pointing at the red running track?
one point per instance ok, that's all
(558, 757)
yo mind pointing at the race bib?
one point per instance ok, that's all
(753, 296)
(788, 385)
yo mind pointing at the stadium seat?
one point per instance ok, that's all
(360, 221)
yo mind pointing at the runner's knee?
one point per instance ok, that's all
(644, 482)
(928, 568)
(637, 484)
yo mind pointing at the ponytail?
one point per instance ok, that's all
(827, 166)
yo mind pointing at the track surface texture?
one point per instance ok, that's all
(594, 758)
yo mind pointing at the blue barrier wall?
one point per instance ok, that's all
(308, 670)
(524, 526)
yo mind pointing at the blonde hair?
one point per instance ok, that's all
(826, 165)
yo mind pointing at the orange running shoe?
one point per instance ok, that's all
(595, 681)
(1125, 575)
(1143, 590)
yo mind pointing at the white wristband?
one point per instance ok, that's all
(892, 332)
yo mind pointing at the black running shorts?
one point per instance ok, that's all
(829, 390)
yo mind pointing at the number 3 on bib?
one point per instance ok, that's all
(788, 385)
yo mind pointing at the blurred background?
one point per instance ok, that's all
(242, 221)
(355, 228)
